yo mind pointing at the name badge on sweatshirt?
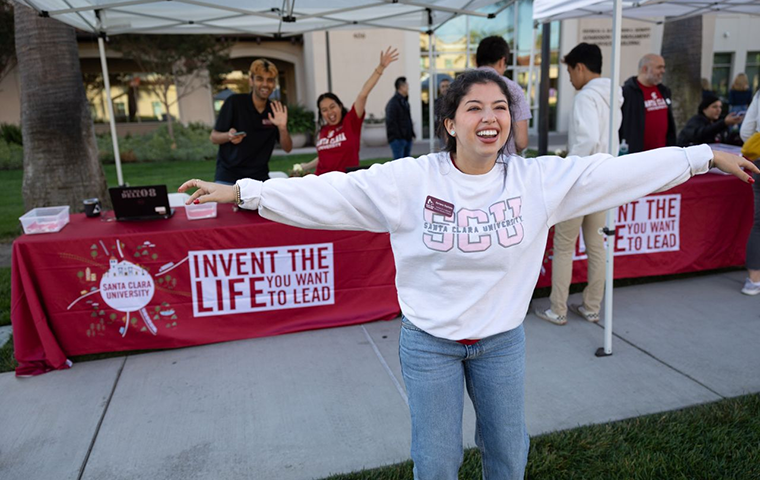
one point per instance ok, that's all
(437, 205)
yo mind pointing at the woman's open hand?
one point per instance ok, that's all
(735, 165)
(208, 192)
(387, 57)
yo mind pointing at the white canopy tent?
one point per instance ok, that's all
(648, 10)
(266, 18)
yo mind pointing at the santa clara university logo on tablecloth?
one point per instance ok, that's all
(135, 298)
(127, 288)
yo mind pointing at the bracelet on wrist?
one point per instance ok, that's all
(238, 200)
(378, 71)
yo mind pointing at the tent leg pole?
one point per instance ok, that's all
(543, 97)
(531, 66)
(617, 19)
(431, 90)
(608, 283)
(109, 103)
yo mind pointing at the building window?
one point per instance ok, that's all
(119, 111)
(158, 111)
(753, 70)
(456, 44)
(721, 74)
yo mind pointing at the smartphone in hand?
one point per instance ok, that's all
(237, 134)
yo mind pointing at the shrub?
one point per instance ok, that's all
(192, 144)
(11, 133)
(11, 156)
(300, 120)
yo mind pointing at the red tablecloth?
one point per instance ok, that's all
(71, 290)
(702, 224)
(177, 283)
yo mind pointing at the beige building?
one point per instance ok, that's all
(304, 75)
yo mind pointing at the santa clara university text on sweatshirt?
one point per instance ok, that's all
(469, 248)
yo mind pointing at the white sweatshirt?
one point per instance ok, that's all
(468, 248)
(751, 122)
(589, 130)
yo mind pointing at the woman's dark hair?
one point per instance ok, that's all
(334, 97)
(707, 100)
(446, 107)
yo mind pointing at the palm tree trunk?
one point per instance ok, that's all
(61, 165)
(682, 51)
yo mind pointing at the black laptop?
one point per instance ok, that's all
(140, 203)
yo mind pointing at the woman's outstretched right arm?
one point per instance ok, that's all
(363, 200)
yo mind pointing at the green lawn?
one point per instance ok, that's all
(7, 360)
(11, 204)
(5, 296)
(719, 440)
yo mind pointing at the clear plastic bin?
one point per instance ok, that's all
(200, 211)
(45, 219)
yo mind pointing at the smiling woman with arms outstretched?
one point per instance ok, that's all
(468, 228)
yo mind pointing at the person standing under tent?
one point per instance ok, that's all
(648, 121)
(493, 54)
(339, 138)
(398, 120)
(248, 127)
(588, 134)
(468, 228)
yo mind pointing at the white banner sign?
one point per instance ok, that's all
(647, 225)
(257, 279)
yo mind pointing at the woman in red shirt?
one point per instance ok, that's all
(339, 137)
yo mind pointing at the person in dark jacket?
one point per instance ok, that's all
(707, 126)
(648, 121)
(398, 120)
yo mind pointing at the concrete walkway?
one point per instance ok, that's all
(310, 404)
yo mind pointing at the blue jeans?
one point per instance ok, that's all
(435, 373)
(401, 148)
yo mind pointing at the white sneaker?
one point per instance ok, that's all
(750, 287)
(584, 312)
(550, 316)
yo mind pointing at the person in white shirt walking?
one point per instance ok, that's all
(588, 134)
(468, 229)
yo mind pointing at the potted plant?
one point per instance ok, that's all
(300, 125)
(373, 133)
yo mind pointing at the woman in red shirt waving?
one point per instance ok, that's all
(339, 137)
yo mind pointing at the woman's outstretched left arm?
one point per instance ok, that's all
(592, 184)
